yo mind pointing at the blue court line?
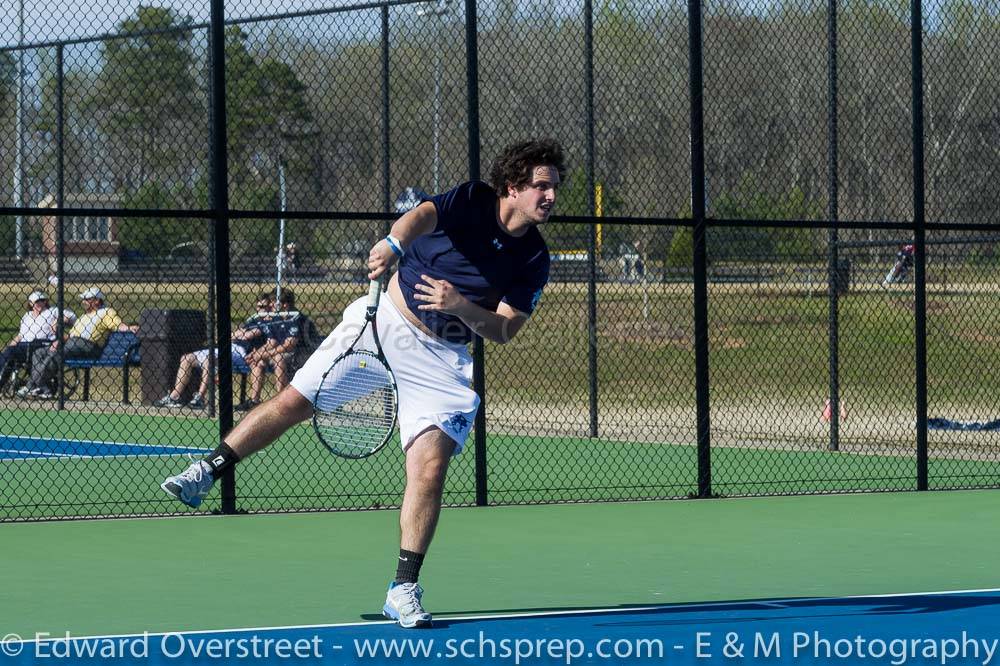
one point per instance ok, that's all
(934, 628)
(14, 447)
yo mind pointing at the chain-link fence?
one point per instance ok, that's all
(774, 269)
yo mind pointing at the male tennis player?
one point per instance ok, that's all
(471, 262)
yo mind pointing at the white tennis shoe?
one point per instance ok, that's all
(191, 485)
(402, 603)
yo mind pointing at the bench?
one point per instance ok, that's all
(120, 351)
(241, 368)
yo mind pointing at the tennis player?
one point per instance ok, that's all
(471, 262)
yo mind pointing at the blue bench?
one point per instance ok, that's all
(241, 368)
(120, 351)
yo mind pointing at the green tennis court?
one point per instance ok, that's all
(629, 570)
(182, 574)
(97, 481)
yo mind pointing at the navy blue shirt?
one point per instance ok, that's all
(470, 249)
(283, 327)
(274, 326)
(254, 322)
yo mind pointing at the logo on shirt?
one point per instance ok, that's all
(497, 244)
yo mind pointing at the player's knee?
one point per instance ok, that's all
(427, 481)
(428, 473)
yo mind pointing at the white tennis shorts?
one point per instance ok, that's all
(201, 356)
(434, 377)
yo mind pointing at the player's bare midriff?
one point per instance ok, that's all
(396, 294)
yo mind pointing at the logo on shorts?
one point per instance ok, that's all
(497, 244)
(537, 296)
(458, 422)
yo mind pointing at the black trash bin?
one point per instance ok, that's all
(843, 276)
(166, 335)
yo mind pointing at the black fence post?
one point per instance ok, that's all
(478, 350)
(833, 236)
(220, 206)
(588, 50)
(211, 367)
(696, 81)
(60, 227)
(919, 238)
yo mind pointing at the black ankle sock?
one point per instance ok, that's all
(221, 460)
(408, 569)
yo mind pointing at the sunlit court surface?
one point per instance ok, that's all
(890, 578)
(731, 392)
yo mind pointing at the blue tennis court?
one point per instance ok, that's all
(13, 447)
(939, 628)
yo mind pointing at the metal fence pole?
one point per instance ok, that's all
(696, 81)
(588, 50)
(19, 149)
(211, 368)
(386, 173)
(478, 351)
(833, 236)
(60, 228)
(919, 239)
(220, 205)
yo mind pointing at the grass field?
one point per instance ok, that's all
(765, 340)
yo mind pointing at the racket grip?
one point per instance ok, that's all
(374, 293)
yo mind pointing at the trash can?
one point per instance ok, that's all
(843, 276)
(165, 336)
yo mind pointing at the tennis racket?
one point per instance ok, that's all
(354, 412)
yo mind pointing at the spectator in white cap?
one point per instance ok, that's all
(85, 340)
(38, 329)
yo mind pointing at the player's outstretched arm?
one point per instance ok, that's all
(413, 224)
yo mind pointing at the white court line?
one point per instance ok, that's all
(507, 616)
(95, 441)
(46, 455)
(36, 454)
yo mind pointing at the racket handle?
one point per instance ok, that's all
(374, 293)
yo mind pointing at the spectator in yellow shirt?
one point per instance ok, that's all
(85, 340)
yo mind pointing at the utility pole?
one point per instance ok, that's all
(439, 9)
(19, 132)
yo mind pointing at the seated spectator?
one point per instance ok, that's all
(277, 353)
(248, 337)
(38, 329)
(85, 339)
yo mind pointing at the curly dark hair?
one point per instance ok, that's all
(516, 162)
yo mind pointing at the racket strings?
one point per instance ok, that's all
(356, 404)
